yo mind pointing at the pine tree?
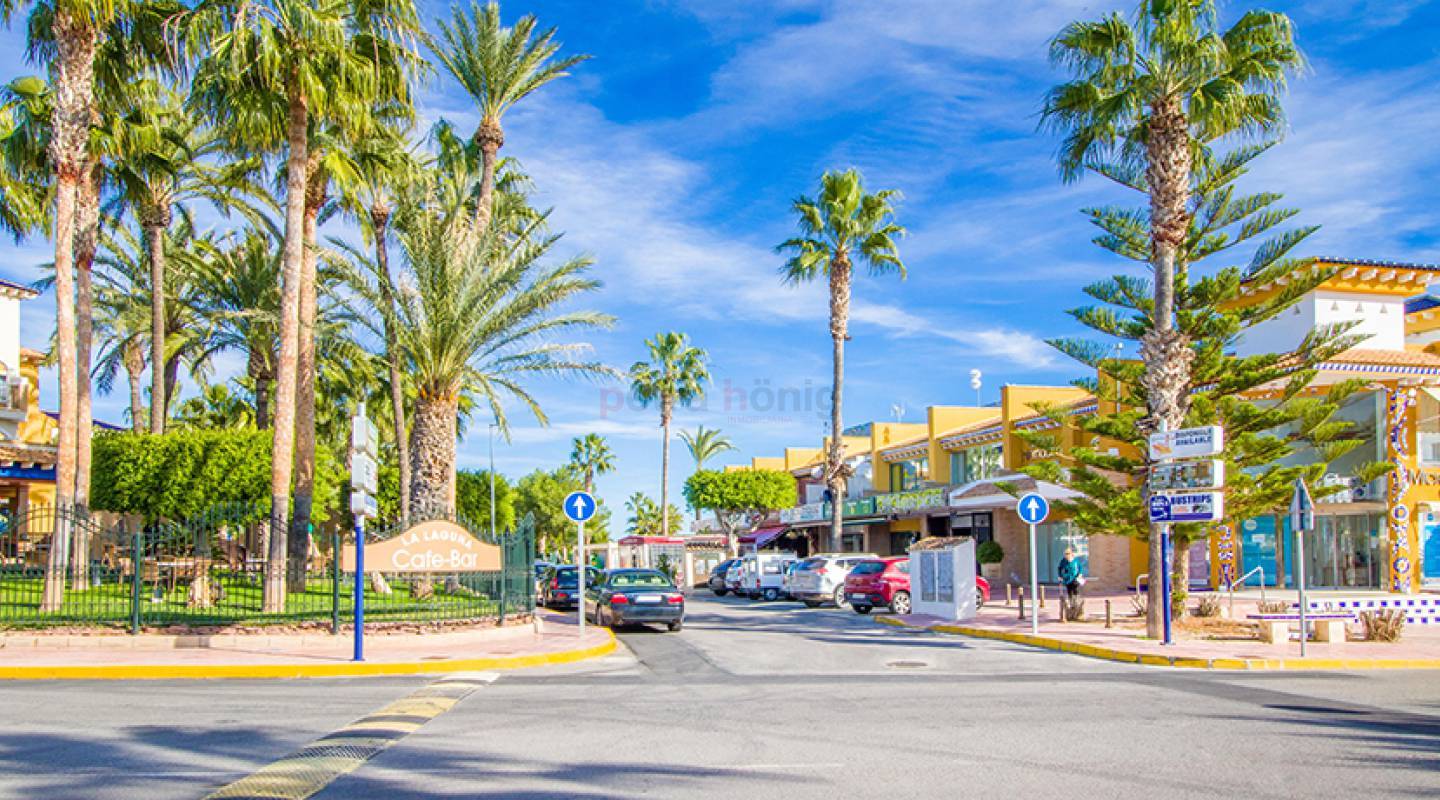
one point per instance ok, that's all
(1278, 425)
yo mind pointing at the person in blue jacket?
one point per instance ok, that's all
(1070, 576)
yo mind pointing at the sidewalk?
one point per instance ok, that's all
(1215, 646)
(30, 656)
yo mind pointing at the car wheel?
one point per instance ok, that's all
(900, 603)
(720, 592)
(861, 609)
(839, 597)
(812, 603)
(771, 595)
(979, 598)
(676, 626)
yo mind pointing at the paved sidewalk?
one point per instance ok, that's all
(1418, 648)
(262, 656)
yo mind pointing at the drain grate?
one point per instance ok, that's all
(906, 664)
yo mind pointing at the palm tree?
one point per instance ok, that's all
(269, 72)
(498, 67)
(675, 373)
(704, 444)
(844, 224)
(240, 308)
(122, 328)
(591, 456)
(162, 161)
(1151, 92)
(478, 316)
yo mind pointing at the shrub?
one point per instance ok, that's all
(1209, 606)
(1385, 625)
(184, 473)
(990, 553)
(1273, 607)
(1177, 603)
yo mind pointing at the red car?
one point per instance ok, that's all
(885, 582)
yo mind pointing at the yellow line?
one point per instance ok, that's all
(1185, 662)
(310, 670)
(316, 765)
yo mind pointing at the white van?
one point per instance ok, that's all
(762, 575)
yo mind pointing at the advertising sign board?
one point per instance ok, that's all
(1187, 443)
(1193, 507)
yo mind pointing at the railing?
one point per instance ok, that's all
(211, 572)
(1241, 581)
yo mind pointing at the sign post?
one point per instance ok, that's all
(364, 477)
(1188, 505)
(1302, 520)
(1033, 509)
(580, 507)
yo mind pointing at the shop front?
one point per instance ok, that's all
(1345, 551)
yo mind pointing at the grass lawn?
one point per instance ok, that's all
(110, 602)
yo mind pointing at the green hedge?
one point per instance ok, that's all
(185, 473)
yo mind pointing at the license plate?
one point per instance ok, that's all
(861, 597)
(648, 598)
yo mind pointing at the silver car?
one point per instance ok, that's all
(820, 579)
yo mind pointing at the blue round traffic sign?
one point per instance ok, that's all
(1033, 508)
(580, 506)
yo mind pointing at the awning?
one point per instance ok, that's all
(762, 536)
(638, 541)
(1000, 499)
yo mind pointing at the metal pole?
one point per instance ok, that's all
(136, 559)
(1300, 575)
(1034, 585)
(1165, 588)
(492, 482)
(335, 578)
(580, 576)
(359, 588)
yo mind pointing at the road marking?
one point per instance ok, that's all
(316, 765)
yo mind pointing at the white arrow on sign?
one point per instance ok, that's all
(579, 506)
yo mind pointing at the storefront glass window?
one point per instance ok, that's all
(975, 463)
(852, 542)
(906, 475)
(1051, 540)
(1427, 428)
(1345, 552)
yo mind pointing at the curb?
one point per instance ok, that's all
(336, 670)
(1150, 660)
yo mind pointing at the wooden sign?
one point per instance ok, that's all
(433, 546)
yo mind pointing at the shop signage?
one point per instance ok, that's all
(900, 502)
(1187, 443)
(1194, 507)
(863, 507)
(1187, 476)
(434, 546)
(806, 513)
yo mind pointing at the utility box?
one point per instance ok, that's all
(942, 577)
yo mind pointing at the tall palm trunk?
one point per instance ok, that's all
(75, 39)
(134, 357)
(259, 371)
(380, 218)
(667, 409)
(1165, 351)
(299, 543)
(836, 472)
(155, 227)
(491, 138)
(87, 214)
(432, 451)
(283, 451)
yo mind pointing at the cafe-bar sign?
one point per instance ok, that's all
(433, 546)
(1193, 476)
(1187, 443)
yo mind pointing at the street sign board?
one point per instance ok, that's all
(1190, 507)
(1191, 476)
(1187, 443)
(1302, 508)
(364, 473)
(1033, 508)
(363, 504)
(579, 506)
(362, 435)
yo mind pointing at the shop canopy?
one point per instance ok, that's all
(638, 541)
(763, 536)
(987, 494)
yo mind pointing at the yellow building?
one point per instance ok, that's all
(27, 434)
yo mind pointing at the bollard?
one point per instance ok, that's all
(1060, 608)
(1022, 602)
(1040, 602)
(1009, 594)
(1109, 622)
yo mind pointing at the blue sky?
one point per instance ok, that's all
(672, 156)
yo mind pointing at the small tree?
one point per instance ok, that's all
(645, 516)
(740, 499)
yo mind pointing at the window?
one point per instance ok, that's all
(852, 542)
(1427, 428)
(975, 463)
(906, 475)
(980, 525)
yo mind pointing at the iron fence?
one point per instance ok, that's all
(210, 571)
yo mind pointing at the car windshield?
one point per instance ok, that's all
(809, 563)
(626, 580)
(868, 568)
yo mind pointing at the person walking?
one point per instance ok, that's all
(1070, 576)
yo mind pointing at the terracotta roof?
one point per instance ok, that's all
(974, 426)
(26, 454)
(1389, 358)
(1073, 407)
(1369, 262)
(12, 288)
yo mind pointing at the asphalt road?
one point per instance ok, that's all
(760, 701)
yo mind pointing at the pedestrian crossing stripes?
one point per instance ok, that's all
(314, 766)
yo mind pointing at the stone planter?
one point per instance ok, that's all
(991, 572)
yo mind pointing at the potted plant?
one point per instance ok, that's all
(990, 554)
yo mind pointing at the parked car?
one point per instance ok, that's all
(630, 596)
(717, 577)
(541, 567)
(732, 576)
(559, 587)
(885, 582)
(763, 574)
(820, 578)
